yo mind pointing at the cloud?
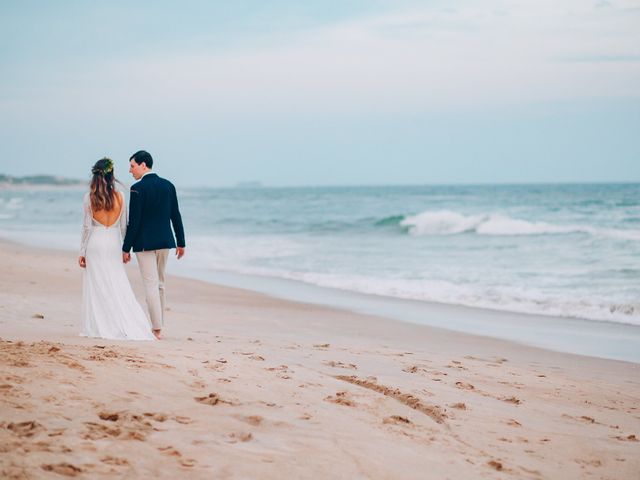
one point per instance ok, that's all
(425, 59)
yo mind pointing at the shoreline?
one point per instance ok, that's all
(581, 336)
(602, 339)
(386, 321)
(246, 385)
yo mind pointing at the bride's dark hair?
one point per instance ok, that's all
(103, 185)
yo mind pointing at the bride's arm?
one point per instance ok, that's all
(124, 216)
(86, 229)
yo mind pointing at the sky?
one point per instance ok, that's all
(324, 93)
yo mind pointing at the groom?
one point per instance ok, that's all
(152, 205)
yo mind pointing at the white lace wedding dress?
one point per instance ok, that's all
(109, 307)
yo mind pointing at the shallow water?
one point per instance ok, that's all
(555, 250)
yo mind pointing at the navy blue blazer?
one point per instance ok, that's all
(153, 205)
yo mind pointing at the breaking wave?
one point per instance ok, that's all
(446, 222)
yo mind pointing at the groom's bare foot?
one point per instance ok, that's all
(157, 334)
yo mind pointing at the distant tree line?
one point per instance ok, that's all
(38, 180)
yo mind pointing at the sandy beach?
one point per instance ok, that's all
(248, 386)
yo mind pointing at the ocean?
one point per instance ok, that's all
(563, 250)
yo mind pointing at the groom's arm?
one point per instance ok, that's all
(135, 211)
(176, 219)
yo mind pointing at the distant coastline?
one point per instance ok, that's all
(8, 181)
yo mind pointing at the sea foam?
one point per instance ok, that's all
(447, 222)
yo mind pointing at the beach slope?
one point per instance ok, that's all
(248, 386)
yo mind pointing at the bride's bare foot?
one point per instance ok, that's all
(157, 334)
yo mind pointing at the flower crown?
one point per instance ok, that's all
(107, 168)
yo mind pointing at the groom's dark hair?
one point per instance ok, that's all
(142, 156)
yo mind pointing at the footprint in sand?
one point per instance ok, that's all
(182, 420)
(217, 367)
(465, 386)
(240, 436)
(335, 364)
(66, 469)
(495, 465)
(172, 452)
(280, 368)
(97, 431)
(124, 425)
(56, 432)
(412, 369)
(469, 387)
(282, 371)
(110, 416)
(456, 364)
(212, 399)
(120, 462)
(341, 398)
(583, 418)
(254, 420)
(397, 419)
(158, 417)
(25, 429)
(589, 463)
(332, 363)
(101, 354)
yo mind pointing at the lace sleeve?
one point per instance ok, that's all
(123, 216)
(86, 225)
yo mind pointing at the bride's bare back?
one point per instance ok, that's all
(108, 218)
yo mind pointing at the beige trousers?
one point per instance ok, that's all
(152, 264)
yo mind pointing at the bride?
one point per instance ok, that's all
(109, 307)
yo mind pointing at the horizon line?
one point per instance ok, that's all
(257, 184)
